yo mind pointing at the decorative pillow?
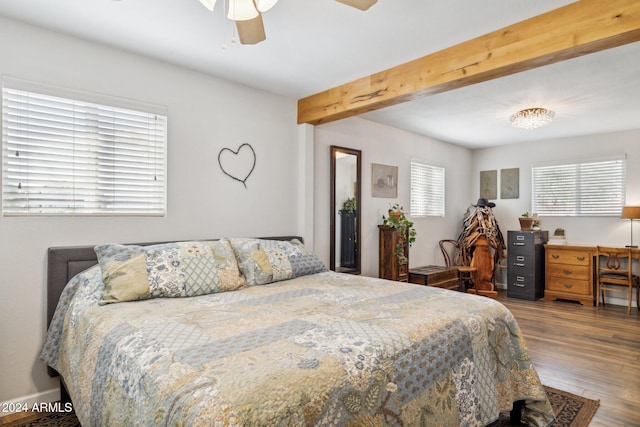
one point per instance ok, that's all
(266, 261)
(180, 269)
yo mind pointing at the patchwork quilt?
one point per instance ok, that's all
(326, 349)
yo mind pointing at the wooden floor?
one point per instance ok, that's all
(595, 354)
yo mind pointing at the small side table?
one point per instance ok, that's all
(435, 275)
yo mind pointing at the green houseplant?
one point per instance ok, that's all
(349, 205)
(397, 219)
(525, 222)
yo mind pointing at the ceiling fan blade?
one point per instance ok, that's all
(209, 4)
(359, 4)
(251, 31)
(265, 5)
(242, 10)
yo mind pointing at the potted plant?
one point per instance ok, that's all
(348, 206)
(398, 220)
(525, 222)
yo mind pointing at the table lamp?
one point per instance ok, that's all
(630, 212)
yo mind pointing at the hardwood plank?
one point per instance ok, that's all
(580, 28)
(589, 352)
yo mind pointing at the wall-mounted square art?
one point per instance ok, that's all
(384, 181)
(510, 183)
(489, 184)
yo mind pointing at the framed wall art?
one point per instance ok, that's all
(489, 184)
(510, 183)
(384, 181)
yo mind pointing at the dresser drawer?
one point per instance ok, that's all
(572, 286)
(555, 256)
(520, 281)
(525, 242)
(521, 262)
(569, 271)
(523, 286)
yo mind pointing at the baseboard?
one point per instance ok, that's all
(620, 301)
(21, 403)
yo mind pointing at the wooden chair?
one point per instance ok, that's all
(614, 274)
(451, 254)
(449, 249)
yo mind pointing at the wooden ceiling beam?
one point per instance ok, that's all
(580, 28)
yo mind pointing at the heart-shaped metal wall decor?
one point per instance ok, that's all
(238, 164)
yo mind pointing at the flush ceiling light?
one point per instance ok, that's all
(532, 118)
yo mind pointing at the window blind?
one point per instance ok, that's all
(63, 156)
(427, 190)
(581, 189)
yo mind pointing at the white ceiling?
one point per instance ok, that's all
(313, 45)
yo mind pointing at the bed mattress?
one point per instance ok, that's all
(326, 349)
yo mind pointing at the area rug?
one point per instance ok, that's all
(41, 419)
(571, 411)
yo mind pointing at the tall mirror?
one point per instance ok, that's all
(345, 210)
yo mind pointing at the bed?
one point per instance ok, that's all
(293, 344)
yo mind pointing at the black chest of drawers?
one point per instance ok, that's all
(525, 264)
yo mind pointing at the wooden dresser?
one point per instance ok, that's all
(569, 273)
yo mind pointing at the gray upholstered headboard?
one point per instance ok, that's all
(65, 262)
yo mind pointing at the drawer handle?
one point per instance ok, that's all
(518, 244)
(518, 285)
(555, 256)
(519, 264)
(580, 258)
(568, 272)
(568, 286)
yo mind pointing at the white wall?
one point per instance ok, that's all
(389, 146)
(581, 230)
(205, 115)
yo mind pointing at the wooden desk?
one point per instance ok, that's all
(435, 275)
(570, 273)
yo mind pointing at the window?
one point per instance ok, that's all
(427, 190)
(581, 189)
(66, 156)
